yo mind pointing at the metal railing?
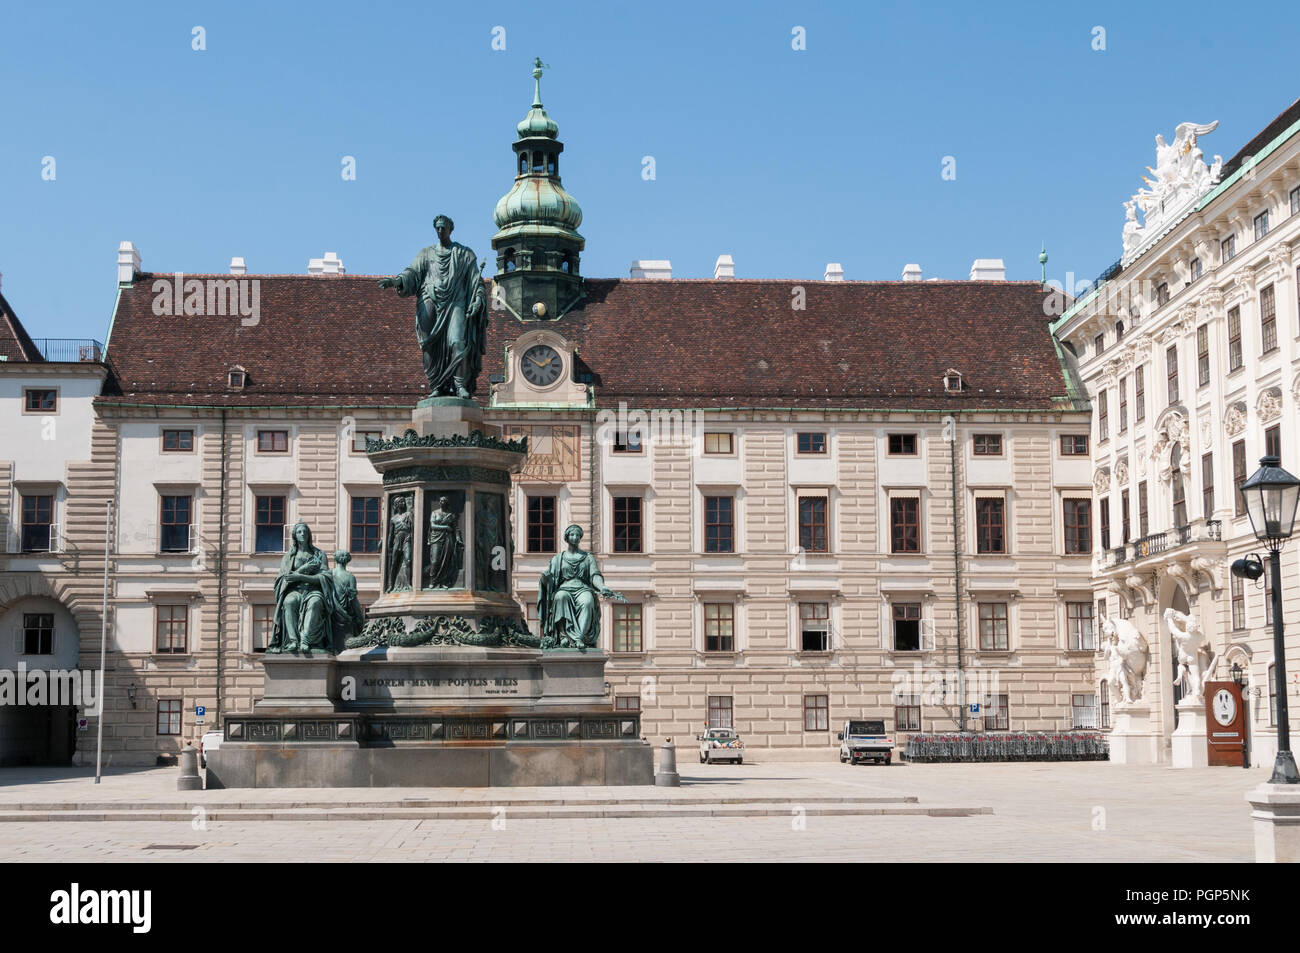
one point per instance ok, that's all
(1156, 543)
(70, 350)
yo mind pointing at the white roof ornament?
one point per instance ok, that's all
(1181, 177)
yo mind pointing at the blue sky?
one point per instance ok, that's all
(784, 159)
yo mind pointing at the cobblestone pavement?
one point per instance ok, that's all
(1042, 812)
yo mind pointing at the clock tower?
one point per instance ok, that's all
(537, 242)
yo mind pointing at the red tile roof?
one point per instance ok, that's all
(341, 340)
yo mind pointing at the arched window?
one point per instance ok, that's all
(550, 163)
(510, 259)
(538, 160)
(566, 264)
(523, 163)
(1119, 331)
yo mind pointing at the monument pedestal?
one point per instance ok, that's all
(1132, 740)
(1188, 741)
(1275, 810)
(444, 685)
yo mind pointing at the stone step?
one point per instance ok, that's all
(492, 812)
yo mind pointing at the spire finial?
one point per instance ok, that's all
(1042, 260)
(538, 66)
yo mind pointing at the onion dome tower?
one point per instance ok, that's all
(537, 242)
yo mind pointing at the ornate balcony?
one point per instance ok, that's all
(1158, 543)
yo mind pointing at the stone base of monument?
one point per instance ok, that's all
(433, 716)
(1132, 740)
(1188, 746)
(1275, 811)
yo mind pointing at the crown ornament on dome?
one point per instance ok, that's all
(537, 123)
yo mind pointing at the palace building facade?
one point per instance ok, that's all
(821, 500)
(1190, 353)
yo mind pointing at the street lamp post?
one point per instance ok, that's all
(1270, 496)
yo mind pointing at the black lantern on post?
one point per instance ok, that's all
(1271, 495)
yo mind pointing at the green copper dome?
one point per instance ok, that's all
(537, 204)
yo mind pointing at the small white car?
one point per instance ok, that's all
(865, 741)
(721, 744)
(210, 741)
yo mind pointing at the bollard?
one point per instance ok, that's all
(189, 779)
(667, 777)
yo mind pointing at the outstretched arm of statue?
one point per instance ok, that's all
(407, 283)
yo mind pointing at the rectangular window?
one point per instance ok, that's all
(1234, 338)
(997, 713)
(1228, 248)
(718, 443)
(720, 711)
(902, 444)
(541, 524)
(627, 627)
(1295, 200)
(1237, 590)
(627, 702)
(627, 441)
(1261, 225)
(1078, 526)
(719, 524)
(1079, 619)
(905, 524)
(1207, 485)
(359, 438)
(814, 627)
(1123, 516)
(169, 716)
(1144, 516)
(1162, 293)
(273, 441)
(990, 525)
(171, 627)
(38, 633)
(1268, 320)
(364, 533)
(1202, 355)
(174, 525)
(1084, 711)
(263, 619)
(1178, 493)
(1273, 441)
(988, 445)
(812, 443)
(1272, 697)
(1171, 370)
(1104, 697)
(1239, 476)
(816, 713)
(993, 626)
(719, 627)
(1139, 394)
(177, 441)
(907, 713)
(813, 531)
(1194, 268)
(1123, 404)
(1104, 512)
(907, 626)
(1074, 445)
(1103, 420)
(1099, 344)
(1268, 593)
(37, 532)
(40, 400)
(270, 524)
(627, 524)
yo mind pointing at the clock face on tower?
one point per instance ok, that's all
(541, 365)
(1225, 707)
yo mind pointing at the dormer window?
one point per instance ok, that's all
(236, 378)
(952, 381)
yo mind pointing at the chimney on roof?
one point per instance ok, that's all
(128, 263)
(988, 269)
(834, 271)
(331, 264)
(724, 267)
(646, 268)
(237, 267)
(912, 272)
